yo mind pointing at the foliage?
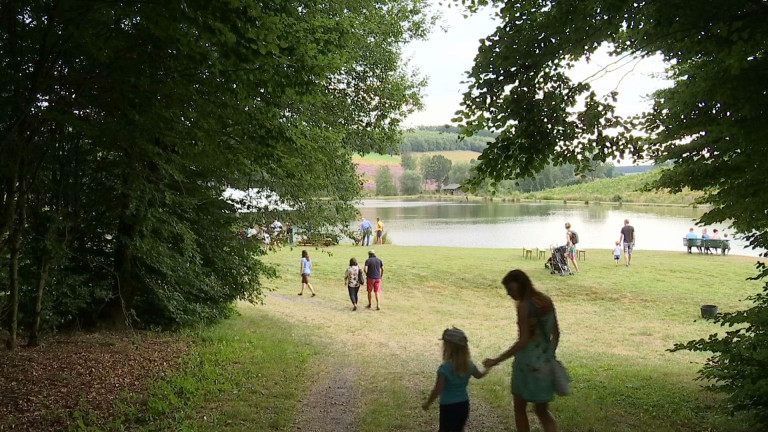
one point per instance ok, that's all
(437, 168)
(410, 182)
(459, 172)
(709, 122)
(385, 184)
(428, 139)
(407, 161)
(122, 124)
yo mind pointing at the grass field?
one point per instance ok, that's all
(624, 189)
(617, 324)
(378, 159)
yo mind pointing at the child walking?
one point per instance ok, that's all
(306, 269)
(617, 253)
(452, 379)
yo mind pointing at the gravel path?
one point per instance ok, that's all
(331, 405)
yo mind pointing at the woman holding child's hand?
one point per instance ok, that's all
(534, 351)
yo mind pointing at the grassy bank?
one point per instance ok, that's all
(618, 189)
(249, 372)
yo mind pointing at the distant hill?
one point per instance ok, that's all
(440, 138)
(634, 169)
(625, 188)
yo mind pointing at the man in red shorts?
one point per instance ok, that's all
(374, 271)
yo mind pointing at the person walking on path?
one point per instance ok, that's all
(452, 380)
(628, 237)
(374, 271)
(352, 280)
(366, 229)
(379, 231)
(534, 351)
(571, 244)
(306, 269)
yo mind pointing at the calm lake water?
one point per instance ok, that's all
(517, 225)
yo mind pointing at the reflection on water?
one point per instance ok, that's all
(515, 225)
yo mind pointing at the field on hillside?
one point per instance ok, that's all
(619, 189)
(377, 159)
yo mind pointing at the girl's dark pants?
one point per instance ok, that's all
(454, 416)
(353, 293)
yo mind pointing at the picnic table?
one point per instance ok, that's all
(706, 245)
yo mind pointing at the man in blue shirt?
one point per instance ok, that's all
(366, 229)
(691, 236)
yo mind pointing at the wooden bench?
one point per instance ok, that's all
(541, 253)
(706, 245)
(581, 254)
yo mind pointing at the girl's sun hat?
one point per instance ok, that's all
(455, 335)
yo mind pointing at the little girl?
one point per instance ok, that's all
(306, 269)
(617, 253)
(451, 383)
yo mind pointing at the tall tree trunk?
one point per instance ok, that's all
(34, 334)
(125, 289)
(13, 266)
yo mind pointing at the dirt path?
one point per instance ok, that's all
(332, 403)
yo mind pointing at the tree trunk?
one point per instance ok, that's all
(34, 334)
(13, 267)
(124, 290)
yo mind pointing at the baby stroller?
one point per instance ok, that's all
(558, 262)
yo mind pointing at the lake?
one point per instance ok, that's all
(515, 225)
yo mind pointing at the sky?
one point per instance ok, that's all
(449, 52)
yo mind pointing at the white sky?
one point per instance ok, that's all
(449, 52)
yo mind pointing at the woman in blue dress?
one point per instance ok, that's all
(534, 351)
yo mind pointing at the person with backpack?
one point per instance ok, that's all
(353, 278)
(571, 239)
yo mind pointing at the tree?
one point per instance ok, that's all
(407, 161)
(710, 122)
(459, 172)
(437, 169)
(410, 182)
(385, 185)
(122, 124)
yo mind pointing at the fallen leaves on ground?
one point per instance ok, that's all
(41, 387)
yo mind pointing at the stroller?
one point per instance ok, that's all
(558, 262)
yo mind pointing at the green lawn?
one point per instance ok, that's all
(617, 323)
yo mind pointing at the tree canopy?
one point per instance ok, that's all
(710, 122)
(121, 125)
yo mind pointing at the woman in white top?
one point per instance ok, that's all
(352, 280)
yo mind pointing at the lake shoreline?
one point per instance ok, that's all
(514, 199)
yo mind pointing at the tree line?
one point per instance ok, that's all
(122, 124)
(439, 170)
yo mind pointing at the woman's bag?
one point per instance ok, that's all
(561, 381)
(360, 277)
(560, 378)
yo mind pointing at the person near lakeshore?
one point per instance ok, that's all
(627, 235)
(352, 280)
(704, 236)
(534, 351)
(452, 380)
(379, 231)
(571, 246)
(691, 236)
(716, 236)
(306, 269)
(617, 253)
(374, 272)
(366, 229)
